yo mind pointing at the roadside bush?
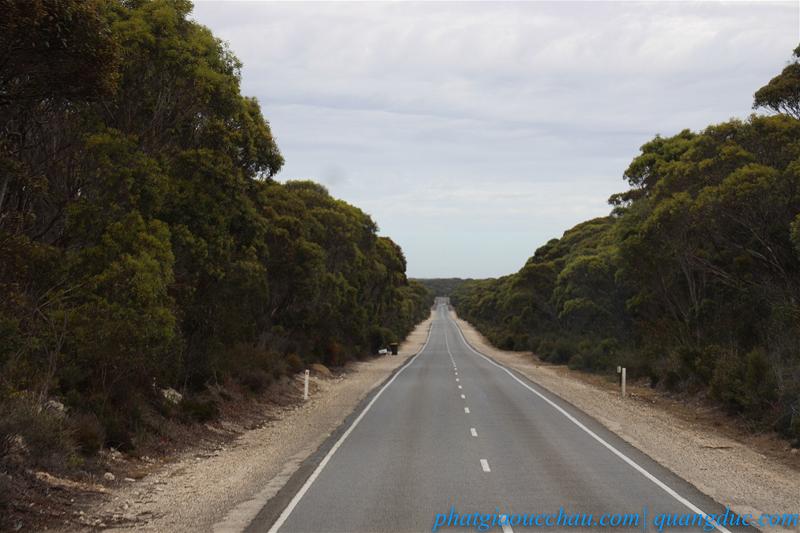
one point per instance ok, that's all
(560, 352)
(119, 428)
(577, 362)
(200, 408)
(253, 367)
(508, 343)
(380, 337)
(5, 494)
(45, 437)
(334, 354)
(181, 261)
(744, 384)
(295, 363)
(256, 380)
(793, 427)
(88, 432)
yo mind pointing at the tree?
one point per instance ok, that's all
(782, 93)
(143, 240)
(693, 279)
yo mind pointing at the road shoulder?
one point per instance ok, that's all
(729, 471)
(223, 490)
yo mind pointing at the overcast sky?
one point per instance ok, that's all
(475, 132)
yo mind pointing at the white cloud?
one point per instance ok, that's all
(491, 126)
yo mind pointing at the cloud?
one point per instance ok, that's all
(504, 119)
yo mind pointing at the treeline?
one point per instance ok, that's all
(693, 281)
(442, 286)
(143, 241)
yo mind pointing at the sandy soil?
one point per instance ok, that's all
(732, 472)
(222, 489)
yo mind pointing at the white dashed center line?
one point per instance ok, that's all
(459, 386)
(485, 465)
(466, 410)
(463, 397)
(473, 432)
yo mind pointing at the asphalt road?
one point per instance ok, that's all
(452, 429)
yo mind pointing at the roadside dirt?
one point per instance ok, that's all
(750, 473)
(211, 486)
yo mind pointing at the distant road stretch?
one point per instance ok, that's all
(452, 429)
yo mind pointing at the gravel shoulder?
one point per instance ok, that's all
(732, 471)
(221, 489)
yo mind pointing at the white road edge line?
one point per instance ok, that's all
(485, 465)
(466, 410)
(473, 432)
(315, 474)
(505, 527)
(666, 488)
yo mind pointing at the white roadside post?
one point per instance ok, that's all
(305, 386)
(623, 381)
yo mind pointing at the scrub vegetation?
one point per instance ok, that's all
(442, 286)
(692, 281)
(144, 244)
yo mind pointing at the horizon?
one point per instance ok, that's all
(474, 133)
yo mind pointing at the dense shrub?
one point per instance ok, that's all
(199, 408)
(89, 434)
(295, 363)
(690, 282)
(144, 242)
(43, 437)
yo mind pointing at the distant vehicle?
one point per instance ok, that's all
(383, 351)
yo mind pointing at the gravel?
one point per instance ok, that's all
(730, 472)
(222, 489)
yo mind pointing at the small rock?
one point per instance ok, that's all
(321, 370)
(114, 454)
(108, 476)
(55, 406)
(171, 395)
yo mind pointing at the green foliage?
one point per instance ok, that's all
(143, 241)
(43, 437)
(691, 282)
(295, 363)
(744, 383)
(89, 434)
(199, 408)
(782, 93)
(442, 286)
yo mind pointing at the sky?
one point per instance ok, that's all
(473, 133)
